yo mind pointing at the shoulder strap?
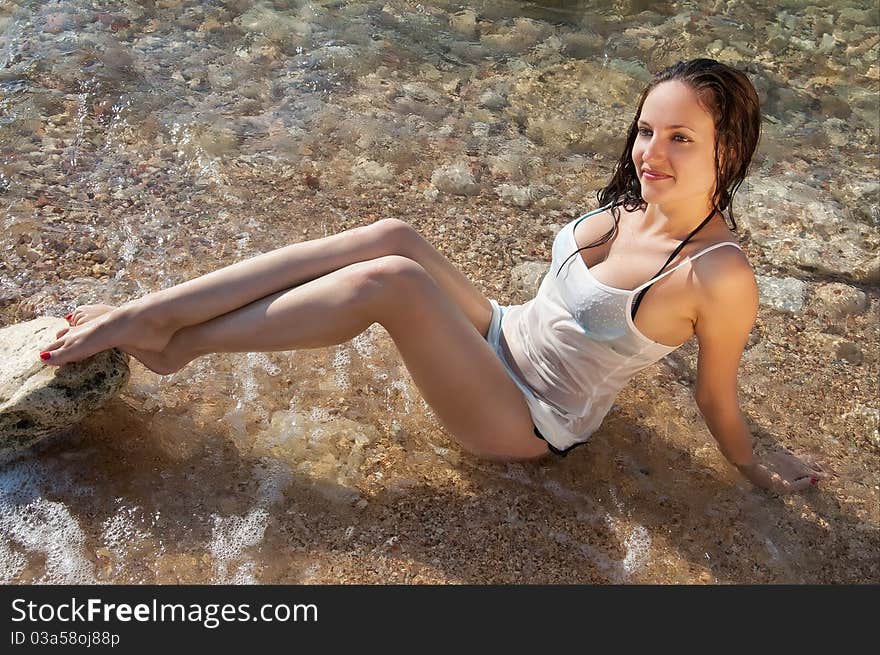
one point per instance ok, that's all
(643, 288)
(717, 245)
(590, 213)
(573, 224)
(686, 260)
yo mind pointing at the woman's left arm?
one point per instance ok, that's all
(728, 306)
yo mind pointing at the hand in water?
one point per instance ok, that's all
(787, 473)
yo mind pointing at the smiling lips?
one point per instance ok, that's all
(653, 175)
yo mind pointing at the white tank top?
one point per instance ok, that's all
(575, 344)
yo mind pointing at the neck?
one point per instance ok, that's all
(675, 222)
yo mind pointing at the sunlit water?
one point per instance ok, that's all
(143, 143)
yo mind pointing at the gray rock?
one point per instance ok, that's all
(850, 352)
(37, 401)
(797, 227)
(511, 194)
(465, 23)
(839, 300)
(783, 294)
(868, 421)
(493, 100)
(367, 171)
(455, 179)
(526, 277)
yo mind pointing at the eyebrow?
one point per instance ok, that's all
(671, 127)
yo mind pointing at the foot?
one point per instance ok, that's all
(84, 314)
(99, 327)
(164, 362)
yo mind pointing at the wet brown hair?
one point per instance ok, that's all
(728, 95)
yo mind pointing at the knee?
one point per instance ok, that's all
(395, 276)
(396, 234)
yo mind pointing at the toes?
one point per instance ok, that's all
(55, 345)
(50, 354)
(87, 313)
(61, 333)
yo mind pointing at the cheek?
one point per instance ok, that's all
(637, 152)
(707, 168)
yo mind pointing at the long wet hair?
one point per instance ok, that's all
(728, 95)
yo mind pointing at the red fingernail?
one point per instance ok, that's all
(45, 355)
(68, 317)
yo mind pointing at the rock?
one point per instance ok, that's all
(797, 227)
(868, 421)
(840, 300)
(837, 346)
(456, 179)
(782, 294)
(57, 22)
(851, 16)
(565, 107)
(37, 401)
(112, 21)
(582, 46)
(480, 129)
(526, 277)
(850, 352)
(493, 100)
(519, 37)
(367, 171)
(518, 196)
(465, 23)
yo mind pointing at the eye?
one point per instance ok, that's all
(644, 131)
(682, 138)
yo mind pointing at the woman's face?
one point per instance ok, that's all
(674, 150)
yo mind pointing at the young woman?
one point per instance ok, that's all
(521, 381)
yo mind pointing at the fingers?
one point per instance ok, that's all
(801, 484)
(795, 466)
(815, 466)
(814, 472)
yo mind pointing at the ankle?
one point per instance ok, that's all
(150, 311)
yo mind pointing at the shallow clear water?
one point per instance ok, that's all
(143, 143)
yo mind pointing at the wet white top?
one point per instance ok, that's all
(575, 344)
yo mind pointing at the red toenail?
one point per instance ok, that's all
(45, 355)
(68, 317)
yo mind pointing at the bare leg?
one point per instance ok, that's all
(455, 369)
(147, 324)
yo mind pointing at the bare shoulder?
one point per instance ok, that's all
(594, 226)
(725, 282)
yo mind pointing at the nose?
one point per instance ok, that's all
(654, 151)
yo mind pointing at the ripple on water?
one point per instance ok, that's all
(44, 541)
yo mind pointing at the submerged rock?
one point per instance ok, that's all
(455, 179)
(37, 401)
(785, 294)
(526, 277)
(840, 300)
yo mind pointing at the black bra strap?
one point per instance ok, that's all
(671, 257)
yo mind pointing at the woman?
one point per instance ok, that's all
(515, 382)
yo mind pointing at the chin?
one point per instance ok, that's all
(651, 195)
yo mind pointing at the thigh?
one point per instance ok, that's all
(472, 303)
(455, 369)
